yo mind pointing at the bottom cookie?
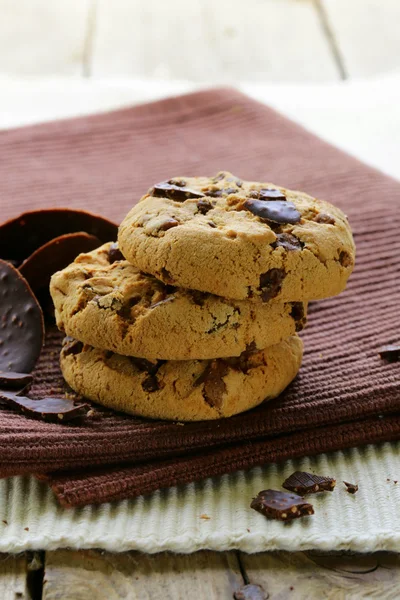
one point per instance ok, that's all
(192, 390)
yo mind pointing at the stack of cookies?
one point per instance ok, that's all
(194, 313)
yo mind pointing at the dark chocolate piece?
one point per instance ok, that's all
(180, 193)
(219, 193)
(281, 506)
(352, 488)
(21, 322)
(297, 313)
(71, 346)
(288, 241)
(214, 385)
(270, 194)
(271, 283)
(52, 410)
(391, 352)
(203, 206)
(10, 380)
(324, 218)
(168, 224)
(274, 211)
(302, 483)
(250, 592)
(345, 259)
(114, 253)
(21, 236)
(54, 256)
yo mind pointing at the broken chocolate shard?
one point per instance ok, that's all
(10, 380)
(302, 483)
(21, 236)
(391, 352)
(273, 211)
(287, 241)
(114, 253)
(271, 194)
(180, 193)
(271, 283)
(352, 488)
(21, 322)
(52, 410)
(281, 505)
(54, 256)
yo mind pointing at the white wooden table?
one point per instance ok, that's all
(205, 41)
(217, 41)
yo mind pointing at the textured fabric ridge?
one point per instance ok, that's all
(104, 163)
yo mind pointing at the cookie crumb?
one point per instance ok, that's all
(205, 517)
(352, 488)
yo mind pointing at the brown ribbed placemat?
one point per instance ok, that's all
(104, 163)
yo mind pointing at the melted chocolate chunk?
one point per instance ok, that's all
(71, 346)
(298, 315)
(54, 256)
(166, 276)
(288, 241)
(391, 352)
(281, 506)
(324, 218)
(168, 224)
(271, 283)
(274, 211)
(308, 483)
(114, 253)
(214, 385)
(10, 380)
(174, 192)
(125, 310)
(144, 365)
(21, 322)
(203, 206)
(345, 259)
(53, 410)
(150, 384)
(270, 194)
(250, 592)
(352, 488)
(21, 236)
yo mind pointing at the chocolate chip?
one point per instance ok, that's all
(166, 276)
(271, 283)
(114, 253)
(288, 241)
(150, 384)
(220, 193)
(219, 177)
(168, 224)
(345, 259)
(391, 352)
(302, 483)
(54, 256)
(71, 346)
(21, 322)
(203, 206)
(21, 236)
(125, 310)
(250, 592)
(178, 182)
(11, 380)
(298, 315)
(274, 211)
(174, 192)
(198, 297)
(144, 365)
(324, 218)
(281, 506)
(214, 385)
(54, 410)
(352, 488)
(211, 224)
(271, 194)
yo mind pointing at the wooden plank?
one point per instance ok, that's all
(38, 37)
(204, 40)
(312, 576)
(13, 577)
(366, 34)
(84, 575)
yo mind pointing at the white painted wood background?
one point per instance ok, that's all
(215, 41)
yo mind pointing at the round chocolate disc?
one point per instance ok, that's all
(21, 322)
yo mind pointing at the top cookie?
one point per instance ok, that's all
(238, 239)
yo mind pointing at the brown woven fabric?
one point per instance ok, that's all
(104, 163)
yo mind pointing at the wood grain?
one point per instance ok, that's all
(85, 575)
(312, 576)
(13, 577)
(204, 40)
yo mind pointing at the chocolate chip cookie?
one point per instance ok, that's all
(103, 300)
(189, 390)
(239, 239)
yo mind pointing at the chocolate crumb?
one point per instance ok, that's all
(352, 488)
(271, 283)
(391, 352)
